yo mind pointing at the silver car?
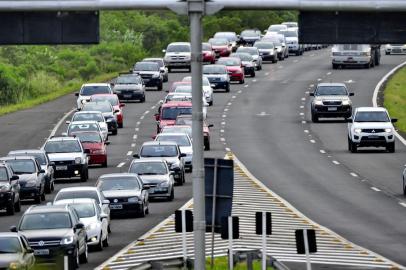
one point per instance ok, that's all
(162, 67)
(254, 52)
(267, 50)
(352, 55)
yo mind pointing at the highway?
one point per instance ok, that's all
(262, 123)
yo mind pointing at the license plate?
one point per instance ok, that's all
(373, 137)
(116, 206)
(61, 168)
(41, 251)
(332, 109)
(145, 80)
(128, 96)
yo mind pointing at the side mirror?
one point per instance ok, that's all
(211, 125)
(349, 120)
(311, 94)
(116, 111)
(145, 187)
(351, 94)
(79, 226)
(42, 171)
(107, 143)
(77, 94)
(103, 216)
(30, 250)
(86, 151)
(153, 137)
(136, 156)
(14, 178)
(111, 84)
(52, 164)
(13, 229)
(67, 122)
(182, 155)
(122, 105)
(394, 120)
(105, 202)
(156, 117)
(162, 69)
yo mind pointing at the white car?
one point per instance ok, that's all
(352, 54)
(281, 48)
(86, 192)
(89, 89)
(371, 127)
(395, 49)
(292, 41)
(185, 145)
(92, 116)
(178, 55)
(277, 28)
(207, 89)
(95, 221)
(404, 180)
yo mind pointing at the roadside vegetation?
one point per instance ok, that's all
(30, 75)
(395, 98)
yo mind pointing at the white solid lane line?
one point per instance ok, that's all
(322, 151)
(402, 204)
(121, 165)
(354, 174)
(129, 153)
(336, 162)
(375, 189)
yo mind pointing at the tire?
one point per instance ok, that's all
(114, 132)
(253, 74)
(297, 53)
(104, 164)
(242, 82)
(183, 178)
(43, 196)
(84, 176)
(172, 196)
(404, 189)
(106, 241)
(349, 144)
(74, 262)
(120, 125)
(367, 66)
(391, 147)
(37, 199)
(228, 88)
(17, 206)
(142, 213)
(159, 88)
(142, 100)
(48, 188)
(83, 258)
(189, 69)
(315, 118)
(354, 148)
(335, 66)
(109, 228)
(387, 53)
(206, 146)
(211, 103)
(10, 208)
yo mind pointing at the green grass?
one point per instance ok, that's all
(395, 98)
(75, 86)
(221, 263)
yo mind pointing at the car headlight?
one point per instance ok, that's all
(109, 119)
(164, 184)
(223, 79)
(365, 53)
(175, 165)
(155, 76)
(31, 184)
(83, 101)
(388, 130)
(5, 187)
(357, 130)
(78, 160)
(318, 102)
(67, 240)
(133, 199)
(91, 226)
(346, 102)
(14, 266)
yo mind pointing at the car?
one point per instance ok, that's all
(79, 126)
(247, 62)
(115, 102)
(220, 46)
(150, 73)
(184, 89)
(94, 143)
(234, 68)
(282, 40)
(184, 120)
(31, 177)
(155, 174)
(129, 86)
(185, 145)
(276, 28)
(69, 157)
(15, 252)
(162, 67)
(169, 111)
(217, 76)
(254, 52)
(291, 24)
(92, 116)
(395, 49)
(177, 96)
(249, 37)
(209, 56)
(174, 85)
(89, 89)
(267, 51)
(292, 41)
(86, 192)
(331, 100)
(126, 193)
(170, 152)
(54, 231)
(178, 129)
(95, 221)
(207, 89)
(9, 190)
(281, 49)
(43, 161)
(371, 127)
(108, 112)
(404, 180)
(232, 38)
(352, 55)
(178, 55)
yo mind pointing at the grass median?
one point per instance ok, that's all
(221, 263)
(395, 98)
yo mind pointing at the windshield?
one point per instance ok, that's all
(229, 36)
(183, 89)
(218, 42)
(214, 69)
(3, 174)
(99, 106)
(277, 28)
(10, 245)
(178, 48)
(62, 146)
(177, 129)
(229, 61)
(273, 39)
(84, 210)
(371, 117)
(243, 56)
(249, 33)
(122, 183)
(82, 127)
(21, 166)
(159, 151)
(206, 47)
(146, 66)
(45, 221)
(181, 140)
(170, 113)
(113, 100)
(93, 90)
(148, 168)
(88, 137)
(40, 157)
(157, 61)
(78, 194)
(290, 33)
(251, 51)
(264, 45)
(128, 79)
(331, 91)
(88, 117)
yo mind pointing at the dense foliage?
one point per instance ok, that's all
(29, 72)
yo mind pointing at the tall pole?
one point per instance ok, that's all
(195, 12)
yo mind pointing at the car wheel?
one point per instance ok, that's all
(10, 208)
(106, 241)
(142, 213)
(354, 147)
(297, 53)
(172, 196)
(387, 53)
(142, 100)
(253, 74)
(183, 177)
(211, 103)
(104, 164)
(74, 261)
(109, 228)
(17, 206)
(114, 132)
(315, 118)
(404, 190)
(147, 208)
(160, 86)
(99, 246)
(83, 258)
(169, 70)
(121, 125)
(349, 144)
(228, 88)
(242, 81)
(207, 146)
(335, 66)
(43, 196)
(391, 147)
(48, 188)
(37, 199)
(84, 176)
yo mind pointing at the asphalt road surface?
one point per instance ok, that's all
(261, 122)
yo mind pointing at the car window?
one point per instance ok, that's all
(83, 127)
(128, 183)
(170, 113)
(218, 42)
(10, 245)
(22, 166)
(93, 90)
(264, 45)
(331, 91)
(146, 66)
(62, 146)
(158, 61)
(84, 210)
(243, 56)
(371, 117)
(249, 33)
(88, 117)
(44, 221)
(159, 151)
(3, 174)
(78, 194)
(206, 47)
(184, 121)
(251, 51)
(148, 168)
(181, 140)
(128, 79)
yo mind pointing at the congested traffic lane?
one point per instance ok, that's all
(309, 164)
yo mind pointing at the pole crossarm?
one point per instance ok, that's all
(210, 6)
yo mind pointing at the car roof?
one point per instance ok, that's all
(28, 151)
(80, 188)
(179, 43)
(47, 208)
(177, 104)
(171, 134)
(73, 201)
(159, 143)
(113, 175)
(18, 158)
(146, 160)
(371, 109)
(63, 138)
(95, 84)
(331, 84)
(112, 94)
(85, 112)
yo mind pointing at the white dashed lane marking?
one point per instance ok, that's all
(142, 117)
(402, 204)
(322, 151)
(375, 189)
(121, 165)
(129, 153)
(303, 122)
(138, 123)
(312, 141)
(135, 136)
(133, 145)
(354, 174)
(336, 162)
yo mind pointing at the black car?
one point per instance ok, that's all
(31, 177)
(9, 190)
(129, 87)
(217, 76)
(54, 231)
(249, 37)
(15, 252)
(108, 113)
(150, 74)
(43, 161)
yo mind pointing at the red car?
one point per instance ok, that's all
(209, 56)
(170, 111)
(115, 102)
(221, 47)
(234, 68)
(93, 141)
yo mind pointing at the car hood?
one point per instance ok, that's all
(154, 179)
(27, 177)
(369, 125)
(211, 76)
(121, 193)
(47, 234)
(331, 98)
(222, 47)
(92, 146)
(163, 123)
(127, 87)
(7, 258)
(290, 39)
(186, 149)
(89, 220)
(63, 156)
(251, 38)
